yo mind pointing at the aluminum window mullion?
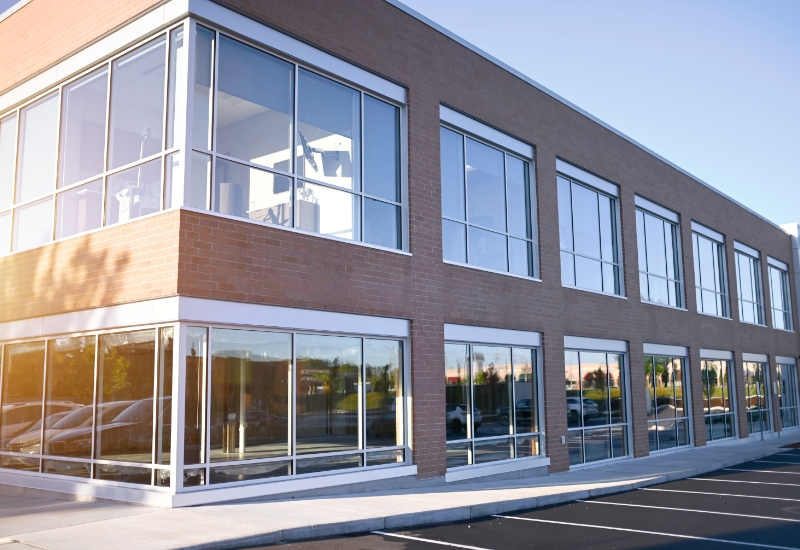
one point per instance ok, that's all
(207, 409)
(512, 407)
(470, 408)
(362, 408)
(212, 120)
(361, 174)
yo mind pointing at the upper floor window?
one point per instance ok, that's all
(709, 271)
(748, 275)
(588, 227)
(660, 277)
(780, 295)
(281, 144)
(487, 218)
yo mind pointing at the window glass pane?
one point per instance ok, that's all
(487, 249)
(527, 446)
(173, 174)
(328, 131)
(67, 468)
(247, 192)
(80, 209)
(123, 474)
(597, 444)
(486, 197)
(606, 206)
(197, 189)
(68, 399)
(575, 444)
(5, 233)
(452, 159)
(658, 290)
(494, 449)
(384, 415)
(8, 134)
(520, 256)
(588, 274)
(385, 457)
(640, 241)
(83, 125)
(249, 394)
(230, 474)
(254, 105)
(134, 192)
(565, 214)
(327, 463)
(381, 223)
(328, 211)
(707, 259)
(137, 104)
(670, 240)
(125, 370)
(616, 388)
(585, 221)
(610, 279)
(196, 353)
(572, 375)
(203, 77)
(776, 288)
(459, 454)
(176, 98)
(656, 247)
(23, 376)
(677, 373)
(457, 392)
(454, 241)
(36, 155)
(644, 291)
(518, 201)
(595, 386)
(525, 409)
(166, 336)
(381, 149)
(491, 391)
(567, 269)
(33, 225)
(744, 268)
(650, 394)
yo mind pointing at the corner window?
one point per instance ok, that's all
(587, 221)
(709, 275)
(780, 297)
(487, 218)
(751, 300)
(659, 260)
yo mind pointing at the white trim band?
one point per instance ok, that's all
(716, 354)
(595, 344)
(656, 209)
(744, 249)
(588, 178)
(783, 360)
(777, 263)
(663, 349)
(755, 357)
(707, 232)
(481, 130)
(486, 335)
(482, 470)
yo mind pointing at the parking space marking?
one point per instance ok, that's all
(687, 510)
(439, 542)
(717, 494)
(776, 462)
(759, 471)
(740, 481)
(641, 532)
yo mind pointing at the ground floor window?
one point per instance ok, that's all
(667, 415)
(787, 394)
(757, 402)
(491, 403)
(717, 406)
(596, 406)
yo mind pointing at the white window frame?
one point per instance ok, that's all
(786, 293)
(670, 217)
(742, 251)
(727, 356)
(700, 230)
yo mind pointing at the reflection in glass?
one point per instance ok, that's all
(572, 375)
(567, 269)
(597, 444)
(565, 214)
(8, 135)
(751, 308)
(176, 100)
(166, 336)
(36, 155)
(525, 413)
(327, 398)
(595, 386)
(518, 197)
(255, 100)
(327, 463)
(79, 209)
(491, 450)
(527, 446)
(328, 211)
(246, 472)
(658, 260)
(137, 104)
(123, 474)
(134, 192)
(787, 394)
(247, 192)
(33, 225)
(381, 149)
(780, 298)
(588, 273)
(457, 391)
(381, 223)
(491, 391)
(520, 255)
(23, 377)
(249, 394)
(203, 77)
(452, 160)
(67, 468)
(756, 385)
(196, 353)
(383, 360)
(709, 276)
(585, 220)
(385, 457)
(487, 249)
(328, 131)
(575, 446)
(83, 124)
(454, 241)
(196, 192)
(716, 399)
(486, 205)
(5, 233)
(125, 370)
(173, 173)
(459, 454)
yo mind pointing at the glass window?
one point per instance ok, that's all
(588, 238)
(33, 225)
(490, 191)
(717, 405)
(382, 223)
(751, 300)
(36, 153)
(329, 211)
(166, 338)
(23, 379)
(176, 100)
(196, 191)
(247, 192)
(667, 417)
(780, 298)
(596, 406)
(383, 361)
(79, 209)
(194, 416)
(787, 394)
(709, 274)
(134, 192)
(8, 135)
(757, 398)
(381, 149)
(660, 275)
(203, 74)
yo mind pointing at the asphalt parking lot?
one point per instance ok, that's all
(755, 505)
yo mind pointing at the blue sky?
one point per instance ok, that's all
(711, 85)
(5, 4)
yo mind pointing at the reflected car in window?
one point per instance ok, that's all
(590, 408)
(20, 417)
(457, 417)
(522, 413)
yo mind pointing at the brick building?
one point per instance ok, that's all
(252, 248)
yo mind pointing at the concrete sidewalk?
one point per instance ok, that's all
(57, 525)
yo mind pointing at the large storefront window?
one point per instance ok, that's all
(596, 406)
(491, 404)
(717, 404)
(751, 297)
(787, 394)
(756, 397)
(667, 415)
(709, 274)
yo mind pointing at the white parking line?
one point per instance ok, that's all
(757, 545)
(740, 481)
(777, 462)
(439, 542)
(688, 510)
(718, 494)
(759, 471)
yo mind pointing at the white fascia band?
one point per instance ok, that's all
(744, 249)
(716, 354)
(755, 357)
(656, 209)
(485, 132)
(783, 360)
(665, 350)
(595, 344)
(707, 232)
(485, 335)
(581, 175)
(777, 263)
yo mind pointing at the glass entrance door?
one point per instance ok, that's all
(756, 397)
(787, 394)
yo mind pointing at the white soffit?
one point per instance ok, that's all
(755, 357)
(486, 335)
(481, 130)
(595, 344)
(716, 354)
(588, 178)
(783, 360)
(656, 209)
(663, 349)
(743, 248)
(707, 232)
(777, 263)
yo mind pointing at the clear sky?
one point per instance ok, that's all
(5, 4)
(711, 85)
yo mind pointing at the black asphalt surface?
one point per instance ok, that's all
(752, 505)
